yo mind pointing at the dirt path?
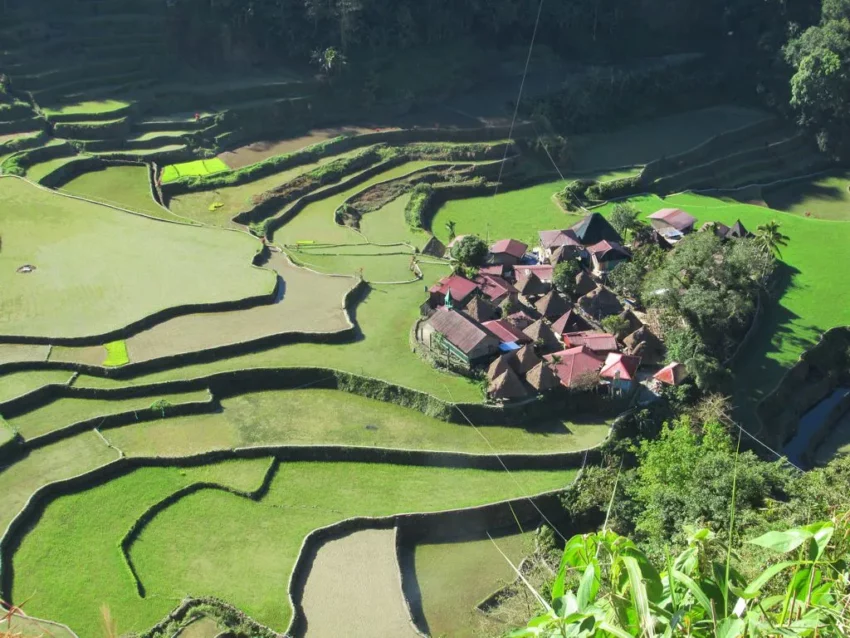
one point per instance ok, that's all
(354, 589)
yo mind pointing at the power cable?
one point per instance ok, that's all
(505, 467)
(519, 97)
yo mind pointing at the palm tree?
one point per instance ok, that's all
(770, 239)
(450, 226)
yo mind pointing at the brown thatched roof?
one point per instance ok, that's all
(481, 310)
(434, 247)
(541, 377)
(570, 321)
(644, 344)
(531, 286)
(525, 359)
(498, 367)
(507, 386)
(552, 305)
(540, 331)
(600, 303)
(584, 283)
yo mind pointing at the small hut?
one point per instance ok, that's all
(644, 344)
(501, 364)
(541, 334)
(584, 283)
(532, 287)
(481, 310)
(552, 305)
(600, 303)
(542, 378)
(507, 386)
(524, 359)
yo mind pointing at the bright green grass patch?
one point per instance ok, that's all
(116, 354)
(88, 108)
(213, 543)
(815, 265)
(196, 167)
(518, 214)
(454, 577)
(122, 186)
(64, 412)
(385, 318)
(821, 196)
(98, 270)
(332, 417)
(235, 199)
(80, 567)
(21, 383)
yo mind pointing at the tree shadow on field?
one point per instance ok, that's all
(795, 194)
(756, 372)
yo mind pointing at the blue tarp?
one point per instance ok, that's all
(509, 347)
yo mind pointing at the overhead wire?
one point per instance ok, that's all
(505, 467)
(519, 96)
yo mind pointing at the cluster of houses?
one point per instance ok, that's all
(510, 319)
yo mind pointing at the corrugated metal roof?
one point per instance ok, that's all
(460, 330)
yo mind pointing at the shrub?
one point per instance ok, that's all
(564, 276)
(604, 191)
(417, 207)
(470, 251)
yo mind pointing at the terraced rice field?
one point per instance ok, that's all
(332, 417)
(75, 568)
(122, 186)
(238, 531)
(85, 251)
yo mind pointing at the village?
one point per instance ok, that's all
(510, 319)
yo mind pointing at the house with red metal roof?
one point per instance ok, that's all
(542, 271)
(574, 365)
(459, 288)
(672, 223)
(506, 331)
(495, 288)
(554, 240)
(621, 371)
(458, 337)
(507, 251)
(606, 255)
(672, 374)
(598, 342)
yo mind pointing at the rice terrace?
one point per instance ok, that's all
(371, 319)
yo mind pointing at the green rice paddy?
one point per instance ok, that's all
(122, 186)
(89, 107)
(64, 412)
(82, 251)
(74, 568)
(116, 354)
(327, 417)
(194, 168)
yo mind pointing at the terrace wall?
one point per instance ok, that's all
(820, 370)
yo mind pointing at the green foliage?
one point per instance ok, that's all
(819, 58)
(564, 276)
(418, 206)
(330, 61)
(624, 219)
(615, 325)
(471, 251)
(622, 593)
(770, 239)
(710, 284)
